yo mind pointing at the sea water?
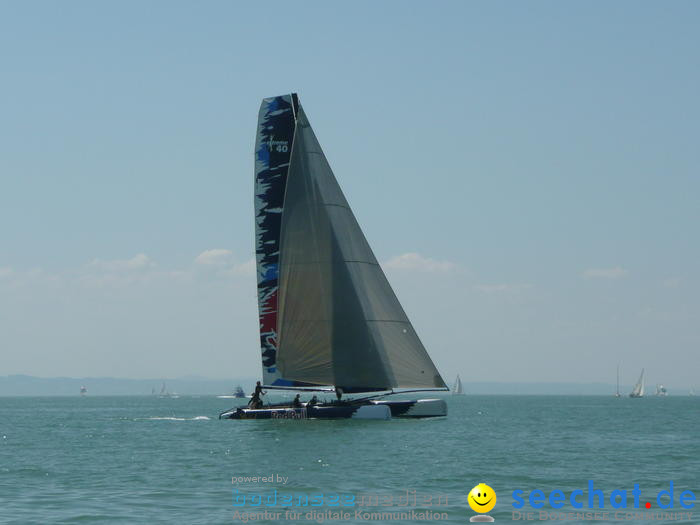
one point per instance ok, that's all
(159, 460)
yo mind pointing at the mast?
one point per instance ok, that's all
(617, 389)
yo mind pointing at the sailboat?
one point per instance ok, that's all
(661, 390)
(329, 320)
(165, 394)
(457, 388)
(83, 390)
(638, 390)
(238, 393)
(617, 389)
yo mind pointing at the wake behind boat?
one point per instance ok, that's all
(329, 320)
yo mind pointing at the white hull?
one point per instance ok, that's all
(419, 408)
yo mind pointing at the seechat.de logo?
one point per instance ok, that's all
(481, 499)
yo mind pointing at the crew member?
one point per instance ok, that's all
(255, 400)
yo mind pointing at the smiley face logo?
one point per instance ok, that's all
(482, 498)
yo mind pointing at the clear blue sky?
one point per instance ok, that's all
(528, 173)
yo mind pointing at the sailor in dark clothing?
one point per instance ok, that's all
(256, 401)
(338, 393)
(297, 401)
(312, 402)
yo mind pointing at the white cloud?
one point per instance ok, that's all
(31, 276)
(215, 257)
(245, 268)
(140, 261)
(606, 273)
(138, 270)
(502, 288)
(415, 261)
(223, 262)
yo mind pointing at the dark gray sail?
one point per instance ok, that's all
(338, 320)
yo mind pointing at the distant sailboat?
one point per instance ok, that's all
(165, 394)
(617, 390)
(83, 390)
(238, 393)
(457, 388)
(691, 393)
(661, 390)
(329, 320)
(638, 390)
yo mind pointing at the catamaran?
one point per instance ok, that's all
(329, 320)
(457, 389)
(638, 390)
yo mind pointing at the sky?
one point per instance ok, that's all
(527, 174)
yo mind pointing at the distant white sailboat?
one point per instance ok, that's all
(638, 390)
(617, 390)
(661, 390)
(165, 394)
(83, 390)
(691, 393)
(457, 388)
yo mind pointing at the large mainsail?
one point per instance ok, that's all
(328, 315)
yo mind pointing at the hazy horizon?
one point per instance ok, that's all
(527, 175)
(23, 385)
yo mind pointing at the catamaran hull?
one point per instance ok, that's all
(314, 412)
(415, 408)
(382, 410)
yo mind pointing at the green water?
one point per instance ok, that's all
(152, 460)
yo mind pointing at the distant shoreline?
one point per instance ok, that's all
(25, 385)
